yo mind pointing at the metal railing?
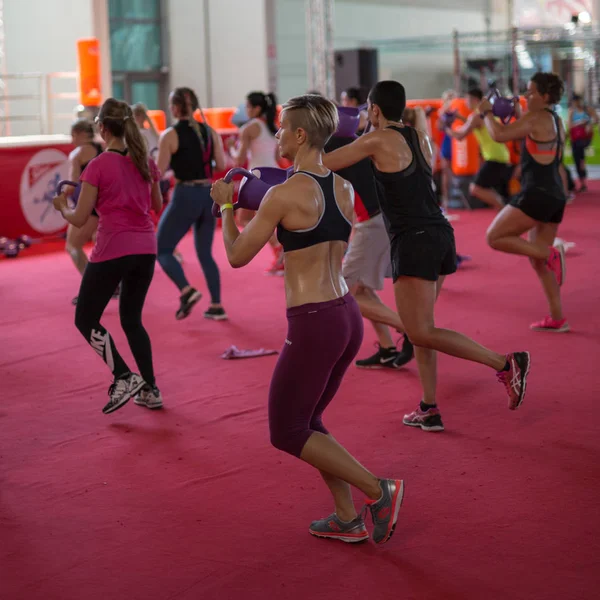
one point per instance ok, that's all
(42, 97)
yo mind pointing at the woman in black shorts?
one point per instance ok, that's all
(539, 207)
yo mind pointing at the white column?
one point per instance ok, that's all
(4, 107)
(271, 36)
(319, 33)
(101, 31)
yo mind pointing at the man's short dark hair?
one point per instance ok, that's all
(390, 96)
(476, 93)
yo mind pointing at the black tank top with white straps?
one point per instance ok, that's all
(407, 198)
(193, 159)
(331, 226)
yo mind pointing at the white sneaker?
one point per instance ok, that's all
(149, 397)
(122, 390)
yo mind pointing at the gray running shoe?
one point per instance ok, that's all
(335, 529)
(384, 511)
(149, 397)
(122, 390)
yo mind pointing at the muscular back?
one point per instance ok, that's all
(313, 274)
(392, 153)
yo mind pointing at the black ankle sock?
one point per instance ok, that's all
(506, 366)
(425, 407)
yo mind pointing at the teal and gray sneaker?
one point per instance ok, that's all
(335, 529)
(384, 511)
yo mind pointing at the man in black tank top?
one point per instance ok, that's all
(422, 248)
(367, 264)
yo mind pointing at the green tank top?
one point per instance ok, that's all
(491, 150)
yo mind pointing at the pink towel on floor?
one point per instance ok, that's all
(235, 352)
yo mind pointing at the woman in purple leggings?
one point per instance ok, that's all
(312, 212)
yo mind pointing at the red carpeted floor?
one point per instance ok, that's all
(192, 502)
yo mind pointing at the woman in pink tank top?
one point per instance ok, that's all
(121, 185)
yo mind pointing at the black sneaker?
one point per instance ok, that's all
(187, 301)
(405, 355)
(383, 359)
(216, 314)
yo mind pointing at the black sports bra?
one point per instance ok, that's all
(331, 226)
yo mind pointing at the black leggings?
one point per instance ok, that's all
(578, 147)
(98, 284)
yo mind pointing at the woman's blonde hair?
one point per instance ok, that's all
(139, 110)
(117, 118)
(316, 115)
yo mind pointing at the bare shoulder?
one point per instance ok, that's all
(75, 154)
(343, 186)
(250, 129)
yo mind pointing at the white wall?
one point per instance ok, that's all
(425, 75)
(237, 41)
(41, 36)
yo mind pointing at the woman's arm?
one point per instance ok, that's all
(79, 215)
(165, 149)
(516, 130)
(350, 154)
(473, 122)
(157, 199)
(242, 247)
(570, 119)
(74, 171)
(218, 150)
(247, 134)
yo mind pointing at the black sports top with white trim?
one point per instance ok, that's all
(331, 226)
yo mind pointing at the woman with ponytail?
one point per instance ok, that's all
(258, 148)
(121, 184)
(190, 148)
(150, 134)
(82, 136)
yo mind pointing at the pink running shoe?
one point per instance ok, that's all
(430, 420)
(556, 263)
(550, 324)
(515, 379)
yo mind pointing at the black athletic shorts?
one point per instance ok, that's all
(539, 205)
(493, 175)
(424, 253)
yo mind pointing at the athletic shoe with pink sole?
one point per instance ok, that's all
(333, 528)
(429, 420)
(556, 263)
(550, 324)
(515, 379)
(384, 511)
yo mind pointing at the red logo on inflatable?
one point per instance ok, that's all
(36, 172)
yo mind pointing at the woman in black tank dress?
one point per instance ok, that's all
(82, 136)
(422, 248)
(190, 148)
(539, 207)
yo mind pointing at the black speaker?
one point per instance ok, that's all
(355, 68)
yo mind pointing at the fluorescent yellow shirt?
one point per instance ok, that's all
(491, 150)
